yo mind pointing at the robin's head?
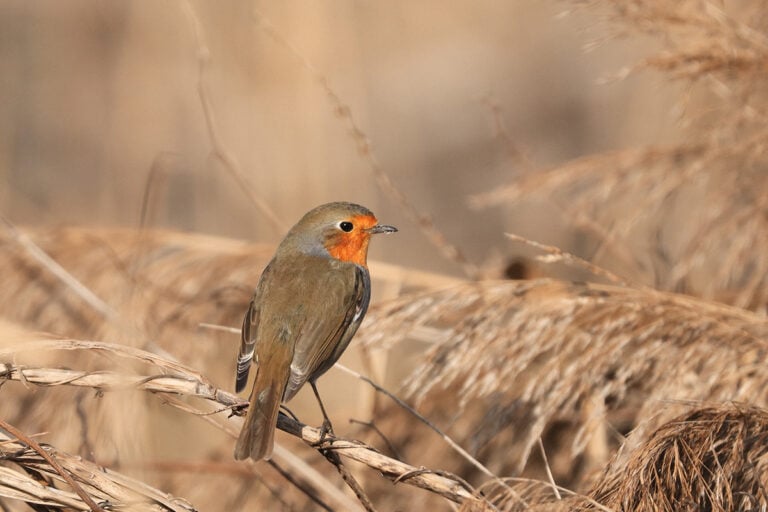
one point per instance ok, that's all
(339, 230)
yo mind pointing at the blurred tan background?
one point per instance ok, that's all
(97, 93)
(101, 118)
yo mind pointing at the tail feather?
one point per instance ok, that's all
(257, 436)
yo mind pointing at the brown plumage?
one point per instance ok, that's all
(308, 305)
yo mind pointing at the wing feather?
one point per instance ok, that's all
(320, 340)
(248, 336)
(315, 302)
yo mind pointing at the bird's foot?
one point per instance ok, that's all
(326, 428)
(326, 432)
(239, 410)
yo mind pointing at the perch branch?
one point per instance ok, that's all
(186, 382)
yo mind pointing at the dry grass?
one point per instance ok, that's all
(512, 362)
(171, 283)
(183, 388)
(686, 216)
(28, 477)
(576, 365)
(711, 458)
(549, 395)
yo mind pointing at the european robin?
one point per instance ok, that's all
(308, 305)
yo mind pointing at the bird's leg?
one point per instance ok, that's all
(289, 412)
(327, 428)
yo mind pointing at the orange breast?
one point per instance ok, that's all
(353, 246)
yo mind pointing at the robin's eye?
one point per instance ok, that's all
(346, 226)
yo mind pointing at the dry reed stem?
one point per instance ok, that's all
(51, 461)
(96, 484)
(231, 164)
(555, 254)
(45, 261)
(187, 383)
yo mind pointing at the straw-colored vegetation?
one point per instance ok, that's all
(643, 390)
(689, 216)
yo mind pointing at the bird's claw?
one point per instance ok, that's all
(326, 432)
(239, 409)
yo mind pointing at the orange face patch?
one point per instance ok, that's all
(352, 246)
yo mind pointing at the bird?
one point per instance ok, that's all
(307, 306)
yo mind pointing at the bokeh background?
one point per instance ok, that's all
(96, 95)
(158, 151)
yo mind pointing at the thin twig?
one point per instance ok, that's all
(371, 425)
(549, 470)
(348, 478)
(453, 444)
(502, 132)
(557, 254)
(52, 461)
(221, 328)
(365, 149)
(303, 488)
(220, 151)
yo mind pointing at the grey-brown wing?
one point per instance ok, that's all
(322, 339)
(248, 333)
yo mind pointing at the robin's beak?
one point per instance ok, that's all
(380, 228)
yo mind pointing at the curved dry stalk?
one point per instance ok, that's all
(96, 488)
(187, 383)
(439, 482)
(57, 270)
(21, 487)
(123, 351)
(51, 461)
(219, 149)
(456, 447)
(557, 254)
